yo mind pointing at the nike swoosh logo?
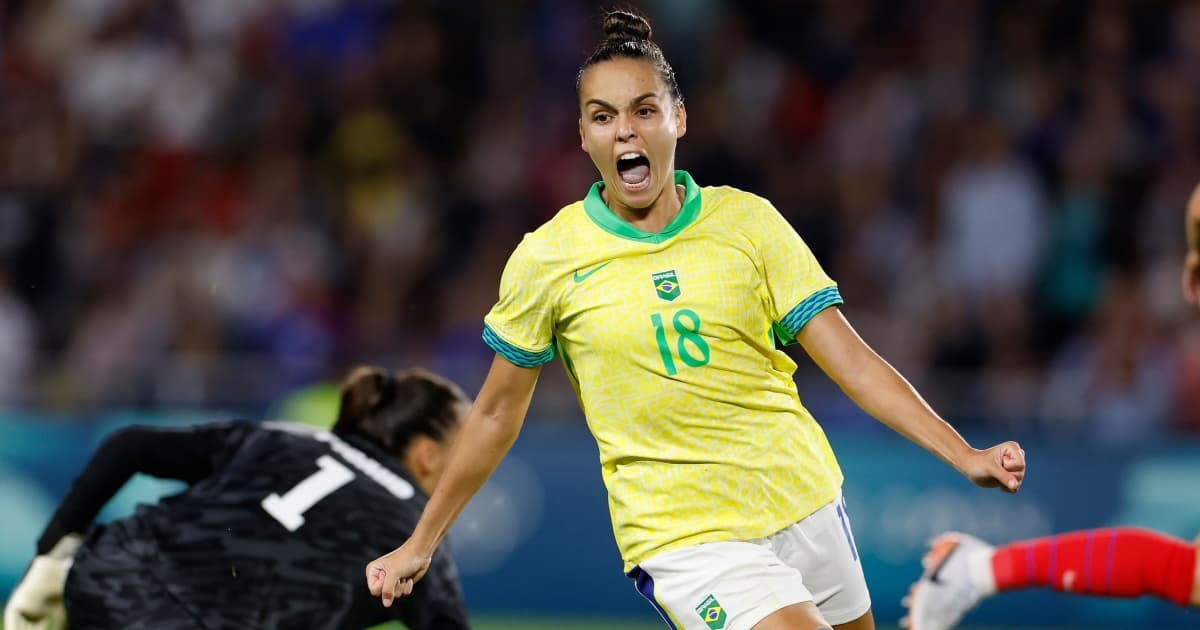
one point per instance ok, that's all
(580, 277)
(934, 577)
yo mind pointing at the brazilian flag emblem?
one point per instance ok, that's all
(666, 284)
(712, 613)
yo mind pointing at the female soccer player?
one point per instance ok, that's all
(666, 302)
(1122, 562)
(270, 531)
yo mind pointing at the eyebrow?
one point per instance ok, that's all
(634, 101)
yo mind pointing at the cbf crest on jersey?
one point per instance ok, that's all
(712, 613)
(666, 284)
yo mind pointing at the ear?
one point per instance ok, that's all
(424, 454)
(680, 121)
(419, 458)
(582, 142)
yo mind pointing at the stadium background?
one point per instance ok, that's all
(211, 209)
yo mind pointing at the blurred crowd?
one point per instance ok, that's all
(212, 203)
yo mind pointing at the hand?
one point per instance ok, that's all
(37, 601)
(1191, 277)
(394, 575)
(1002, 466)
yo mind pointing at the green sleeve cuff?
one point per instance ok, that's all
(803, 312)
(515, 355)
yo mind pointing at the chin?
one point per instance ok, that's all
(637, 199)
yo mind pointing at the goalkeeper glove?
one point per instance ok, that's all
(37, 602)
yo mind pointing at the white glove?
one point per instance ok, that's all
(37, 602)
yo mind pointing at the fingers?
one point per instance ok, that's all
(375, 578)
(394, 575)
(402, 587)
(1011, 482)
(22, 622)
(1012, 467)
(389, 593)
(1012, 457)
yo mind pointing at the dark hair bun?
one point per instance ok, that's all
(365, 388)
(626, 26)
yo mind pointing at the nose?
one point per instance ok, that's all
(624, 129)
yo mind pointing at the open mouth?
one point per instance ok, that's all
(634, 170)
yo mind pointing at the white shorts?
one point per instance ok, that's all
(734, 585)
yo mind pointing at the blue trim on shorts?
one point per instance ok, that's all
(645, 585)
(844, 516)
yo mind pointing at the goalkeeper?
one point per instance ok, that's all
(270, 530)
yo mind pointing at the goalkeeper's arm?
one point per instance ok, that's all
(187, 454)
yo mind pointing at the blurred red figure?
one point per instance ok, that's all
(1119, 562)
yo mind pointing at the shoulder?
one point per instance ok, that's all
(213, 434)
(256, 437)
(285, 427)
(551, 241)
(735, 202)
(735, 211)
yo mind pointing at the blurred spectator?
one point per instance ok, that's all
(1113, 382)
(992, 225)
(1187, 376)
(1074, 270)
(18, 343)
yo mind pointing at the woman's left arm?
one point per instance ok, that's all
(881, 391)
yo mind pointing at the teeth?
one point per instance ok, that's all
(629, 156)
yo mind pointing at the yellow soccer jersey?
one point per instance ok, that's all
(670, 342)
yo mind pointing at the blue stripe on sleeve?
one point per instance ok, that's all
(807, 309)
(515, 355)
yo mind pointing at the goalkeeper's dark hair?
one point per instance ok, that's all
(391, 409)
(627, 35)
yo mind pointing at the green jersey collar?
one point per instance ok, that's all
(603, 216)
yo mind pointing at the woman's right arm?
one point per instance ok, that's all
(489, 431)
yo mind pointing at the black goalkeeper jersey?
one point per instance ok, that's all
(274, 530)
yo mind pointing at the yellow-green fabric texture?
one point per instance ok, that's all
(669, 343)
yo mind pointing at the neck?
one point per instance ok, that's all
(655, 217)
